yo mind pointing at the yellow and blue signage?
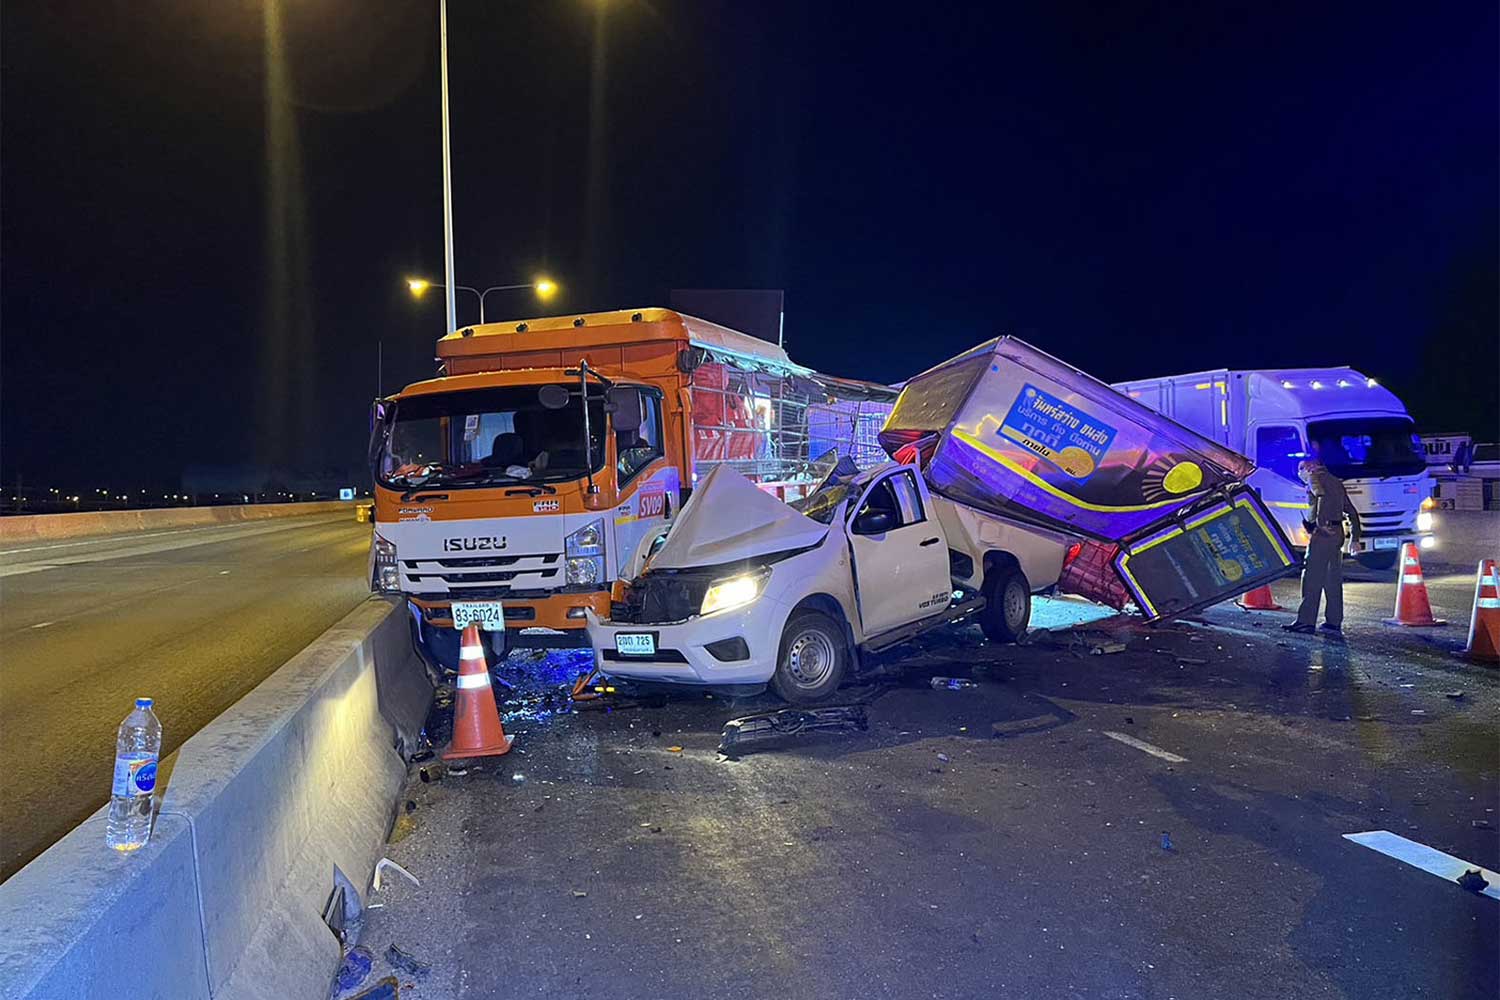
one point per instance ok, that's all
(1063, 434)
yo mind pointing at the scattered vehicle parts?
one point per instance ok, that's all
(790, 722)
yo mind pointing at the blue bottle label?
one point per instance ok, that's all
(135, 774)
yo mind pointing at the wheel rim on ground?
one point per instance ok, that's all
(810, 657)
(1015, 605)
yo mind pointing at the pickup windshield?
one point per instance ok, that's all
(1368, 447)
(489, 437)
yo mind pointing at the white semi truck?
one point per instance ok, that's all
(1279, 416)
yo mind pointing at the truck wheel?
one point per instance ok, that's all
(1007, 606)
(1377, 560)
(813, 659)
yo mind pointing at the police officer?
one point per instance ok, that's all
(1322, 570)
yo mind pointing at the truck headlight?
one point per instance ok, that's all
(1425, 521)
(733, 592)
(584, 550)
(387, 569)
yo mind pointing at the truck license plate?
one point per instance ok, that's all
(635, 643)
(1384, 543)
(488, 615)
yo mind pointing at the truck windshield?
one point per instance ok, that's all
(485, 437)
(1366, 447)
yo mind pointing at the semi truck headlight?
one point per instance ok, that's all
(584, 550)
(1427, 541)
(733, 592)
(584, 570)
(387, 568)
(1425, 521)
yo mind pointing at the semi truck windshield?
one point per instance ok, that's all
(490, 436)
(1366, 447)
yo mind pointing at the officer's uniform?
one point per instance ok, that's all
(1323, 570)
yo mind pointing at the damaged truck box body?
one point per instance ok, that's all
(1006, 458)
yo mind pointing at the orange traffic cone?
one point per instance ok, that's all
(477, 731)
(1412, 607)
(1260, 599)
(1484, 623)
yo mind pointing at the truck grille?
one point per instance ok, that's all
(1381, 523)
(496, 576)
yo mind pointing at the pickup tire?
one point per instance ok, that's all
(813, 659)
(1007, 605)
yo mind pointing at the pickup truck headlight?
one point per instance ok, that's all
(387, 569)
(584, 552)
(733, 592)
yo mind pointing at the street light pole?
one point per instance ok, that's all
(448, 178)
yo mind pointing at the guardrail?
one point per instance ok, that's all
(259, 807)
(88, 524)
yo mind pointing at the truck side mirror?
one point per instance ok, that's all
(874, 522)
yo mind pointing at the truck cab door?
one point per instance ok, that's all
(900, 554)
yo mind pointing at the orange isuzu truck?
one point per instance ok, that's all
(512, 489)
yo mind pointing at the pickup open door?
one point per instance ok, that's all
(900, 554)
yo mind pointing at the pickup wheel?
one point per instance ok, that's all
(1007, 606)
(813, 659)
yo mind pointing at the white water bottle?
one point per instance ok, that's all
(137, 748)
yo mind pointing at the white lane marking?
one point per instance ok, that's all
(1429, 859)
(41, 624)
(102, 538)
(1131, 741)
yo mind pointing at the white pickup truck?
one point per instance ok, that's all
(1006, 456)
(745, 590)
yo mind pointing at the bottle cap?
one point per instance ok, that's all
(144, 703)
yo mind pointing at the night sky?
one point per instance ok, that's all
(204, 241)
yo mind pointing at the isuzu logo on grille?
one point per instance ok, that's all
(479, 544)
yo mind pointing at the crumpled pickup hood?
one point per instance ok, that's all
(729, 519)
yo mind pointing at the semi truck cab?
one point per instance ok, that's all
(1360, 430)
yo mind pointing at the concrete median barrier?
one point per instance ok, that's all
(299, 777)
(91, 524)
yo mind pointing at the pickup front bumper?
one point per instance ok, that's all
(701, 650)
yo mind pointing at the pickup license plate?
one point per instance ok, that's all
(635, 643)
(488, 615)
(1385, 543)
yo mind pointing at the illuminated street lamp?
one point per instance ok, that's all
(545, 288)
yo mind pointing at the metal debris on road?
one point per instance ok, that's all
(579, 894)
(791, 722)
(674, 749)
(1105, 648)
(406, 963)
(1192, 661)
(1455, 695)
(384, 863)
(952, 683)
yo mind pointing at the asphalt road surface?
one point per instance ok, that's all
(193, 617)
(1169, 821)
